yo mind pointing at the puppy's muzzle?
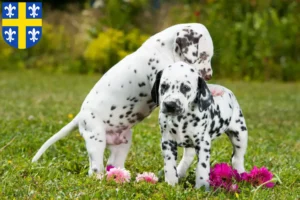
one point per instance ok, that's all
(171, 108)
(205, 74)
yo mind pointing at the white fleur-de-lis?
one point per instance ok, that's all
(10, 34)
(33, 33)
(10, 9)
(34, 8)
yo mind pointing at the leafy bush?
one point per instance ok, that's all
(55, 52)
(253, 39)
(110, 47)
(121, 15)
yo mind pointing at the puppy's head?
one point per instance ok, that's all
(193, 45)
(179, 86)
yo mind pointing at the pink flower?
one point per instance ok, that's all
(109, 167)
(118, 175)
(259, 176)
(234, 188)
(147, 177)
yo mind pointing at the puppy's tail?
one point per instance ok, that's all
(59, 135)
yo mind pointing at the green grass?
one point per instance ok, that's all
(34, 106)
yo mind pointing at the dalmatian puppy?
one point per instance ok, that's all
(191, 117)
(122, 97)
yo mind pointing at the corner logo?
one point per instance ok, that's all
(22, 23)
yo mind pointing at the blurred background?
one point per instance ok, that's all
(253, 39)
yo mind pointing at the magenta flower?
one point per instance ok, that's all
(108, 167)
(118, 175)
(222, 175)
(245, 176)
(259, 176)
(147, 177)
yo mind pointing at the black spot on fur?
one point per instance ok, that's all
(243, 128)
(179, 118)
(142, 84)
(113, 107)
(173, 131)
(143, 95)
(241, 114)
(176, 125)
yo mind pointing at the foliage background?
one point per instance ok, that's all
(254, 40)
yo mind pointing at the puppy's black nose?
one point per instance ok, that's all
(170, 107)
(207, 77)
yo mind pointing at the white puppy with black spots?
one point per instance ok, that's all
(191, 117)
(122, 97)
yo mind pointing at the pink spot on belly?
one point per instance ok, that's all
(115, 138)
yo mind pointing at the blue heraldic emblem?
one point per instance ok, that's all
(22, 23)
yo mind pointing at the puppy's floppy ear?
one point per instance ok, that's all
(155, 88)
(204, 97)
(186, 45)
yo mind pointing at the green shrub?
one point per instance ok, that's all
(119, 14)
(253, 39)
(110, 47)
(55, 52)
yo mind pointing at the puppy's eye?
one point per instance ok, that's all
(164, 87)
(184, 88)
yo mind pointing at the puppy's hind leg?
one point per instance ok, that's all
(238, 135)
(118, 153)
(95, 140)
(186, 161)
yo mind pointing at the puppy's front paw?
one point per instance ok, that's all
(238, 165)
(181, 172)
(172, 181)
(202, 183)
(99, 176)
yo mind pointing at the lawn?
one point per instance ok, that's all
(34, 106)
